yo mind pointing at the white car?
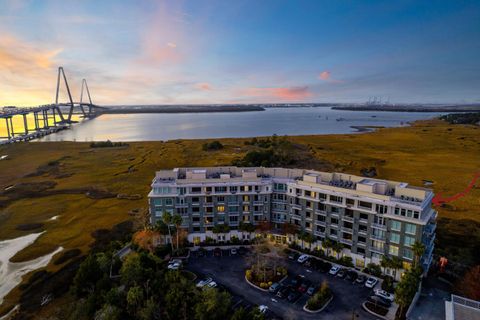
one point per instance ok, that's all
(334, 270)
(174, 266)
(371, 282)
(384, 294)
(203, 283)
(233, 251)
(263, 308)
(211, 284)
(303, 258)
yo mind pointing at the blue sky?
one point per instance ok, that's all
(148, 52)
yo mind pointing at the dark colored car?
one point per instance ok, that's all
(312, 289)
(361, 279)
(217, 252)
(309, 263)
(296, 282)
(242, 251)
(304, 286)
(283, 292)
(351, 275)
(342, 273)
(293, 296)
(324, 266)
(380, 301)
(201, 252)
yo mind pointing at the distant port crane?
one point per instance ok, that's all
(60, 112)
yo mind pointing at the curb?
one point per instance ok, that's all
(319, 310)
(264, 290)
(371, 312)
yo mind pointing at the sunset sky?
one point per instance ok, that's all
(167, 52)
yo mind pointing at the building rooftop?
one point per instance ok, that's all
(460, 308)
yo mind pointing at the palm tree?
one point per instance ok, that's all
(418, 249)
(167, 219)
(338, 248)
(177, 221)
(309, 239)
(327, 244)
(385, 263)
(396, 263)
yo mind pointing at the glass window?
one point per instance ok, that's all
(393, 250)
(410, 228)
(408, 253)
(396, 225)
(409, 241)
(168, 201)
(395, 237)
(220, 209)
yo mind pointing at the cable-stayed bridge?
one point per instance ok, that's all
(49, 118)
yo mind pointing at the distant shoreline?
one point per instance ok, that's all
(407, 108)
(180, 109)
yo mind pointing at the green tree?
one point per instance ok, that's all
(213, 305)
(240, 314)
(177, 221)
(385, 263)
(396, 263)
(132, 271)
(150, 311)
(108, 312)
(87, 276)
(338, 248)
(405, 291)
(134, 299)
(309, 239)
(167, 219)
(327, 244)
(418, 249)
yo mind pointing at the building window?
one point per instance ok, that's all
(233, 189)
(396, 225)
(233, 209)
(168, 201)
(221, 189)
(393, 250)
(350, 202)
(196, 190)
(220, 199)
(362, 239)
(220, 209)
(336, 199)
(364, 204)
(322, 196)
(378, 245)
(246, 209)
(335, 209)
(410, 228)
(408, 253)
(395, 238)
(409, 241)
(381, 209)
(181, 191)
(333, 220)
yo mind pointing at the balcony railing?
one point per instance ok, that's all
(379, 226)
(377, 237)
(347, 218)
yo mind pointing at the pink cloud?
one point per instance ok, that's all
(324, 75)
(292, 93)
(327, 76)
(205, 86)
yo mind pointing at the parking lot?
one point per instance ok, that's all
(229, 271)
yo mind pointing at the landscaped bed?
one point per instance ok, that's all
(264, 277)
(376, 309)
(320, 299)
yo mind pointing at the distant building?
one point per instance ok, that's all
(460, 308)
(369, 217)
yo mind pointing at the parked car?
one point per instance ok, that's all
(233, 251)
(342, 273)
(371, 282)
(324, 266)
(217, 252)
(174, 266)
(263, 308)
(361, 279)
(308, 263)
(293, 296)
(303, 258)
(204, 282)
(380, 301)
(211, 284)
(384, 294)
(312, 289)
(274, 287)
(296, 282)
(201, 252)
(351, 275)
(283, 292)
(334, 270)
(304, 286)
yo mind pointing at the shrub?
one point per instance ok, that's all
(248, 274)
(387, 284)
(373, 269)
(319, 299)
(214, 145)
(107, 144)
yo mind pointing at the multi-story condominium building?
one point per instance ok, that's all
(370, 217)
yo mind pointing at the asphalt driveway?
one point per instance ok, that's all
(229, 271)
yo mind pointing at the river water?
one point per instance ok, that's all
(280, 121)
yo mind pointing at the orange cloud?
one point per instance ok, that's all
(203, 86)
(27, 70)
(289, 94)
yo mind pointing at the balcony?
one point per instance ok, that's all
(320, 223)
(348, 219)
(319, 233)
(347, 230)
(378, 250)
(296, 217)
(362, 232)
(258, 203)
(377, 237)
(346, 241)
(256, 213)
(208, 204)
(233, 203)
(379, 226)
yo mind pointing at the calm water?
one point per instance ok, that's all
(280, 121)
